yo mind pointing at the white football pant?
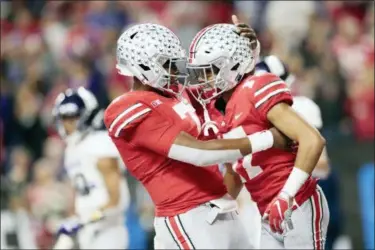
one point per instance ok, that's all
(250, 217)
(310, 223)
(199, 229)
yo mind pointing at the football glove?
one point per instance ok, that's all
(279, 213)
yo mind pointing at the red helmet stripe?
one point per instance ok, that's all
(196, 40)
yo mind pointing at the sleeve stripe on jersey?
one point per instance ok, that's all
(126, 111)
(264, 99)
(269, 85)
(130, 119)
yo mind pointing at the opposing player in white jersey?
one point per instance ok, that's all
(92, 164)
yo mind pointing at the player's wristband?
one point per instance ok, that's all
(261, 141)
(295, 181)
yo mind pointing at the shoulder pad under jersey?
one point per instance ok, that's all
(262, 87)
(126, 112)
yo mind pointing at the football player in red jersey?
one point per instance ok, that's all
(154, 127)
(293, 207)
(304, 106)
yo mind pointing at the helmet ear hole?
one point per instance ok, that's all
(238, 77)
(235, 67)
(133, 35)
(144, 67)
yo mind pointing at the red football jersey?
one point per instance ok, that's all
(143, 126)
(265, 172)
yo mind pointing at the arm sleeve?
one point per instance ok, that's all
(157, 133)
(268, 91)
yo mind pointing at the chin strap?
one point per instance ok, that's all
(208, 123)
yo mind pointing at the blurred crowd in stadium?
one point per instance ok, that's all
(47, 46)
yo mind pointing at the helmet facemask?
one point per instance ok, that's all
(209, 81)
(218, 49)
(174, 75)
(204, 82)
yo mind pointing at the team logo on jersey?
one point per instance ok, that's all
(248, 84)
(156, 103)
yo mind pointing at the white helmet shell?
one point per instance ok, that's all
(143, 49)
(220, 46)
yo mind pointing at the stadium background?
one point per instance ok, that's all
(47, 46)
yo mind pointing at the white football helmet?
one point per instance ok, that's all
(82, 105)
(219, 58)
(153, 54)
